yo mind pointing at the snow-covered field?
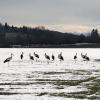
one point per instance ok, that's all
(68, 80)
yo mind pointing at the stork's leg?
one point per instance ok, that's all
(48, 61)
(75, 60)
(36, 60)
(31, 61)
(60, 61)
(8, 64)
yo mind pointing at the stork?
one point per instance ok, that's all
(53, 57)
(31, 58)
(47, 57)
(36, 55)
(75, 57)
(60, 57)
(21, 56)
(8, 59)
(85, 57)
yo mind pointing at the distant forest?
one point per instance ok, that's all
(26, 36)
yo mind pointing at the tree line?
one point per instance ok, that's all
(11, 35)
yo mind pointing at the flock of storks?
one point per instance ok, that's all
(47, 57)
(85, 57)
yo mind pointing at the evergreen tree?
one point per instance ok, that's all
(94, 36)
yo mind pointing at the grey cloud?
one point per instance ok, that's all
(50, 11)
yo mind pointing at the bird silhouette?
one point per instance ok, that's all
(8, 59)
(47, 57)
(31, 57)
(85, 57)
(21, 56)
(75, 57)
(36, 55)
(53, 57)
(60, 57)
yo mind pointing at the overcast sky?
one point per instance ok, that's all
(61, 15)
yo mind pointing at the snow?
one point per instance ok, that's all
(24, 80)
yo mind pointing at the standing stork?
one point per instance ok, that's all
(85, 57)
(8, 59)
(21, 56)
(36, 55)
(47, 57)
(53, 57)
(31, 57)
(60, 57)
(75, 57)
